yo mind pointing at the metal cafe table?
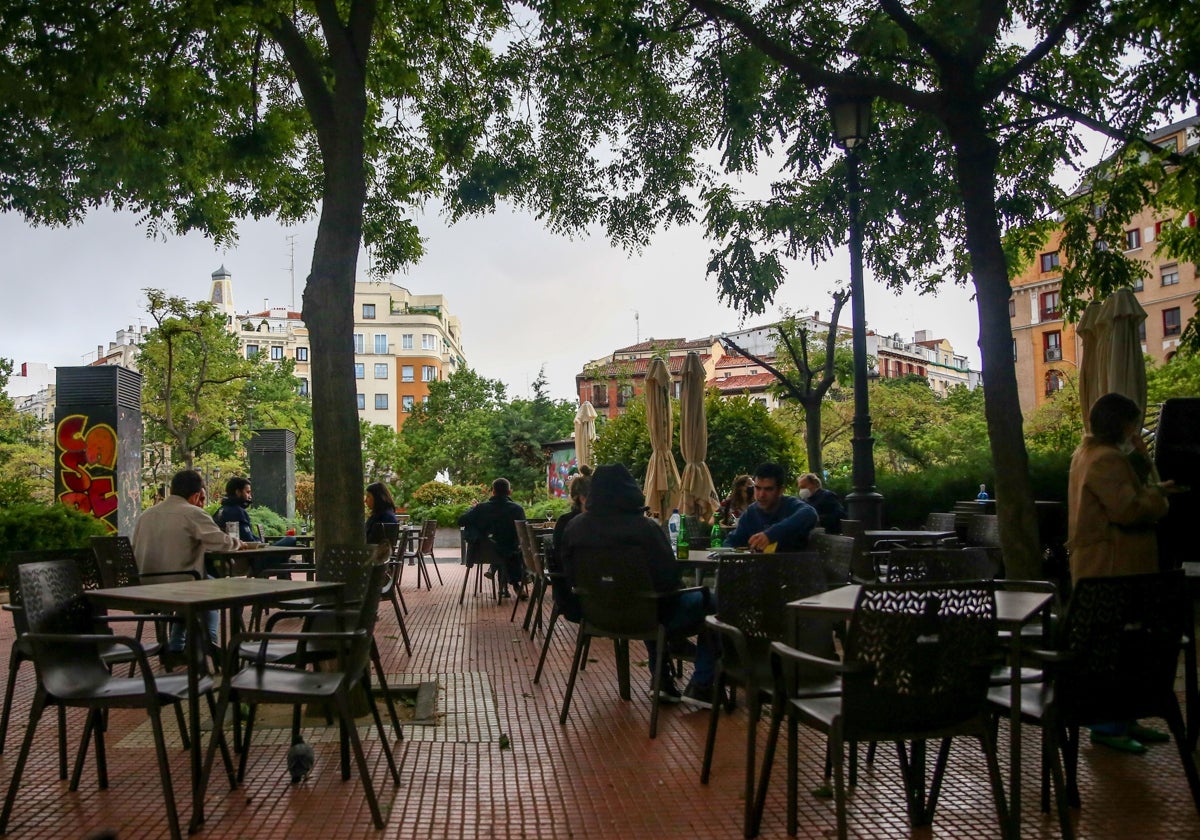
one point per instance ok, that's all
(1014, 609)
(191, 599)
(236, 562)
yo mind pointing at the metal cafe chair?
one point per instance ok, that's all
(69, 657)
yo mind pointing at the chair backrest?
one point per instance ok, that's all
(86, 570)
(428, 535)
(914, 565)
(836, 552)
(862, 565)
(116, 561)
(351, 565)
(535, 559)
(919, 655)
(616, 592)
(984, 529)
(1123, 635)
(753, 593)
(389, 532)
(940, 522)
(53, 602)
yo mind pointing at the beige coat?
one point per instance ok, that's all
(1111, 515)
(173, 536)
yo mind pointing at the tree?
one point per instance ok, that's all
(26, 452)
(976, 105)
(520, 430)
(453, 430)
(1179, 376)
(808, 364)
(197, 114)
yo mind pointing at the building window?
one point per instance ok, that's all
(425, 400)
(251, 351)
(277, 354)
(1014, 341)
(406, 373)
(1133, 239)
(1050, 306)
(301, 354)
(428, 373)
(407, 402)
(1050, 261)
(1052, 344)
(624, 394)
(1012, 308)
(428, 341)
(361, 399)
(1170, 275)
(600, 395)
(1171, 322)
(303, 387)
(359, 343)
(360, 370)
(381, 343)
(381, 401)
(1054, 381)
(381, 371)
(368, 312)
(1142, 332)
(406, 341)
(1139, 284)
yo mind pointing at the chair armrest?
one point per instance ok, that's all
(782, 652)
(351, 616)
(302, 639)
(192, 573)
(108, 640)
(728, 634)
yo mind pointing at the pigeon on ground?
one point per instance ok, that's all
(300, 759)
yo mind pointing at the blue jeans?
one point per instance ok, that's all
(178, 637)
(686, 618)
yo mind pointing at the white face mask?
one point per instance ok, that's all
(804, 493)
(1126, 447)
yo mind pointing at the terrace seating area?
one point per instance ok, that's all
(497, 763)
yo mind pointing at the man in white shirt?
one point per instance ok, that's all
(173, 535)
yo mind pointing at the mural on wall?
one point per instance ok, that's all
(87, 458)
(561, 463)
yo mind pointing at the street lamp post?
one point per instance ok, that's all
(851, 124)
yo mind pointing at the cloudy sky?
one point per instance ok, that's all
(526, 298)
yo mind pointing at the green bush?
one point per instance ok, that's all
(909, 497)
(32, 527)
(272, 523)
(446, 515)
(547, 509)
(434, 493)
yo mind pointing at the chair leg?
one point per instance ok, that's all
(462, 594)
(164, 769)
(1051, 733)
(377, 662)
(436, 570)
(764, 777)
(14, 662)
(516, 606)
(35, 714)
(1191, 692)
(839, 782)
(660, 659)
(400, 619)
(81, 755)
(1175, 723)
(62, 741)
(580, 643)
(383, 739)
(711, 739)
(935, 787)
(342, 702)
(793, 775)
(546, 645)
(184, 737)
(754, 704)
(539, 611)
(247, 736)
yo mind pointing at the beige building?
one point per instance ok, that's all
(402, 342)
(1046, 348)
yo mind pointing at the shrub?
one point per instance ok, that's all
(32, 527)
(549, 508)
(434, 493)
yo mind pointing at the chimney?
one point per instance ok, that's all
(816, 315)
(99, 352)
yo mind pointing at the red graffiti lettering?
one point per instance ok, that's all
(88, 462)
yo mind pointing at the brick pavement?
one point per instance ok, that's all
(597, 777)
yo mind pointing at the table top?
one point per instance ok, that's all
(928, 536)
(1013, 609)
(210, 593)
(266, 550)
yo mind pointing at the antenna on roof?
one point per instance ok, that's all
(291, 238)
(637, 327)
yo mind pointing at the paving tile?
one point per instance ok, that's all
(599, 776)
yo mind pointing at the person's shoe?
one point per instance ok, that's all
(668, 692)
(1148, 735)
(698, 694)
(489, 574)
(522, 594)
(1120, 743)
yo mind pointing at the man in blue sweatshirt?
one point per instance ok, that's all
(773, 518)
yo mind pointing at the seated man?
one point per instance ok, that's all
(774, 518)
(238, 496)
(494, 520)
(173, 535)
(613, 521)
(825, 502)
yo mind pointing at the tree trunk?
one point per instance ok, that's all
(812, 434)
(975, 163)
(329, 315)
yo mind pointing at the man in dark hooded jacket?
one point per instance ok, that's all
(238, 496)
(614, 521)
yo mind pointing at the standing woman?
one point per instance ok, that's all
(1110, 524)
(383, 510)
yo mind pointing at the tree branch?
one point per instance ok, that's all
(913, 30)
(1040, 50)
(309, 76)
(729, 344)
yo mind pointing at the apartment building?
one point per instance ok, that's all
(1046, 347)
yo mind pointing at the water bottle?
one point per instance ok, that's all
(673, 530)
(716, 536)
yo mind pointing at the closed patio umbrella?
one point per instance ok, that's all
(585, 433)
(1122, 317)
(662, 476)
(697, 494)
(1093, 367)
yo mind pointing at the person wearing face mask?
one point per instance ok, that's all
(830, 512)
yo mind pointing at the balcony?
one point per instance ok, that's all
(1053, 354)
(1051, 314)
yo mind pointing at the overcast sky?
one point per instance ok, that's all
(526, 298)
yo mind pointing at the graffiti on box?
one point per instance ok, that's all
(87, 459)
